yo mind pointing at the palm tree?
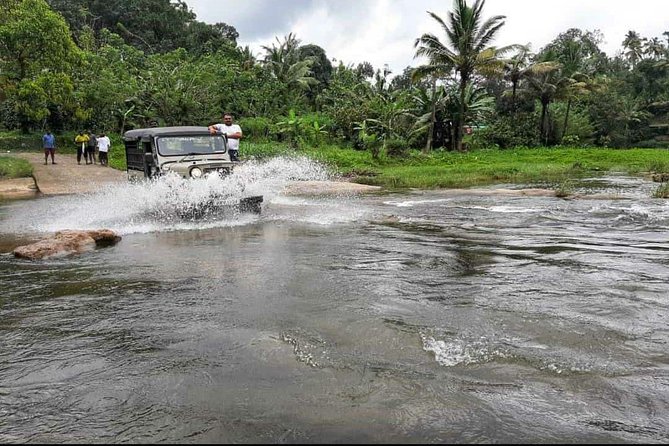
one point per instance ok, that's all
(427, 102)
(516, 68)
(284, 63)
(466, 49)
(634, 45)
(573, 70)
(547, 85)
(477, 104)
(434, 72)
(655, 49)
(247, 58)
(627, 114)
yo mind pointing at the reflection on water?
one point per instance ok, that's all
(421, 317)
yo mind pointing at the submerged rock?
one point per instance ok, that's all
(67, 242)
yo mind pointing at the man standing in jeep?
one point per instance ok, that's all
(233, 133)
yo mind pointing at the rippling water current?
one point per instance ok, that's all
(423, 316)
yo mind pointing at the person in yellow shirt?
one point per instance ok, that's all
(81, 140)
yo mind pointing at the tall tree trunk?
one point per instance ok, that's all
(428, 145)
(461, 117)
(566, 119)
(544, 114)
(513, 96)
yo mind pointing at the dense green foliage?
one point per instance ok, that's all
(120, 64)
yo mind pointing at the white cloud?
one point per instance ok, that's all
(384, 31)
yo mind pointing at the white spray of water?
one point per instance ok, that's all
(152, 206)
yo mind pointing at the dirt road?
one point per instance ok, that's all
(66, 176)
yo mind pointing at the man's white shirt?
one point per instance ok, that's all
(103, 144)
(233, 144)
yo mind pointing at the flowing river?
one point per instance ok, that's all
(414, 317)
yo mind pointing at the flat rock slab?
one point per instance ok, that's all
(16, 188)
(321, 188)
(67, 242)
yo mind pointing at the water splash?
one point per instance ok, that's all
(153, 205)
(457, 352)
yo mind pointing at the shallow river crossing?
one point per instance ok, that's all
(416, 317)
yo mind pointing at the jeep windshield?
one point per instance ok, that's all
(190, 145)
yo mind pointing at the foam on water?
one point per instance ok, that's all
(412, 203)
(440, 201)
(457, 351)
(153, 205)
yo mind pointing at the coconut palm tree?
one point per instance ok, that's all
(576, 74)
(515, 68)
(634, 45)
(293, 73)
(547, 85)
(655, 49)
(284, 63)
(520, 66)
(247, 58)
(466, 48)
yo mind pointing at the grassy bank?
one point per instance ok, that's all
(11, 167)
(439, 169)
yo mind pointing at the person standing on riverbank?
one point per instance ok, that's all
(103, 149)
(81, 140)
(49, 144)
(91, 145)
(233, 132)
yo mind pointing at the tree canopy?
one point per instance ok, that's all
(119, 64)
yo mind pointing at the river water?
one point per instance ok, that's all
(414, 317)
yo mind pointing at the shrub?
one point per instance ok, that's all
(564, 188)
(662, 191)
(578, 126)
(302, 130)
(17, 142)
(505, 132)
(570, 140)
(256, 128)
(397, 147)
(653, 144)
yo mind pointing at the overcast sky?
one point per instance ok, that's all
(384, 31)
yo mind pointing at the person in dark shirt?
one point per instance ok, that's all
(91, 145)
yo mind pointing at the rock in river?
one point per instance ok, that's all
(67, 242)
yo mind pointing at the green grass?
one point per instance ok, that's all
(451, 169)
(438, 169)
(11, 167)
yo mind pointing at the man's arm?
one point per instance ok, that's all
(237, 134)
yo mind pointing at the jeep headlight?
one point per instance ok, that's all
(196, 172)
